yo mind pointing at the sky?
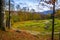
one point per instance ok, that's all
(34, 4)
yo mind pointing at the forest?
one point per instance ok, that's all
(28, 25)
(35, 23)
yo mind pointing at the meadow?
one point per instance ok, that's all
(39, 25)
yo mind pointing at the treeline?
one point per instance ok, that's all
(57, 14)
(24, 16)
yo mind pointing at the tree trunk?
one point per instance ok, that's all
(2, 17)
(53, 20)
(8, 24)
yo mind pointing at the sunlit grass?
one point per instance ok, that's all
(37, 25)
(33, 25)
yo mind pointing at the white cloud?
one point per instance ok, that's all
(34, 5)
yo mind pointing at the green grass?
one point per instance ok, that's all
(34, 25)
(57, 24)
(37, 25)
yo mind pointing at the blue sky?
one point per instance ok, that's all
(33, 4)
(30, 1)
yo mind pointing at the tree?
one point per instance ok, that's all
(11, 5)
(18, 7)
(32, 10)
(2, 16)
(57, 14)
(53, 3)
(11, 8)
(8, 24)
(24, 9)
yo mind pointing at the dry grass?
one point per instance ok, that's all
(13, 35)
(22, 35)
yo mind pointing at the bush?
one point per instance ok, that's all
(15, 18)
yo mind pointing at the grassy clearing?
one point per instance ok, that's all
(37, 25)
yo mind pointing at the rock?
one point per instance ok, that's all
(18, 31)
(46, 27)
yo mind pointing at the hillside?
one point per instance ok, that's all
(23, 35)
(14, 35)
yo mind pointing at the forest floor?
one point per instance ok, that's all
(22, 35)
(16, 35)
